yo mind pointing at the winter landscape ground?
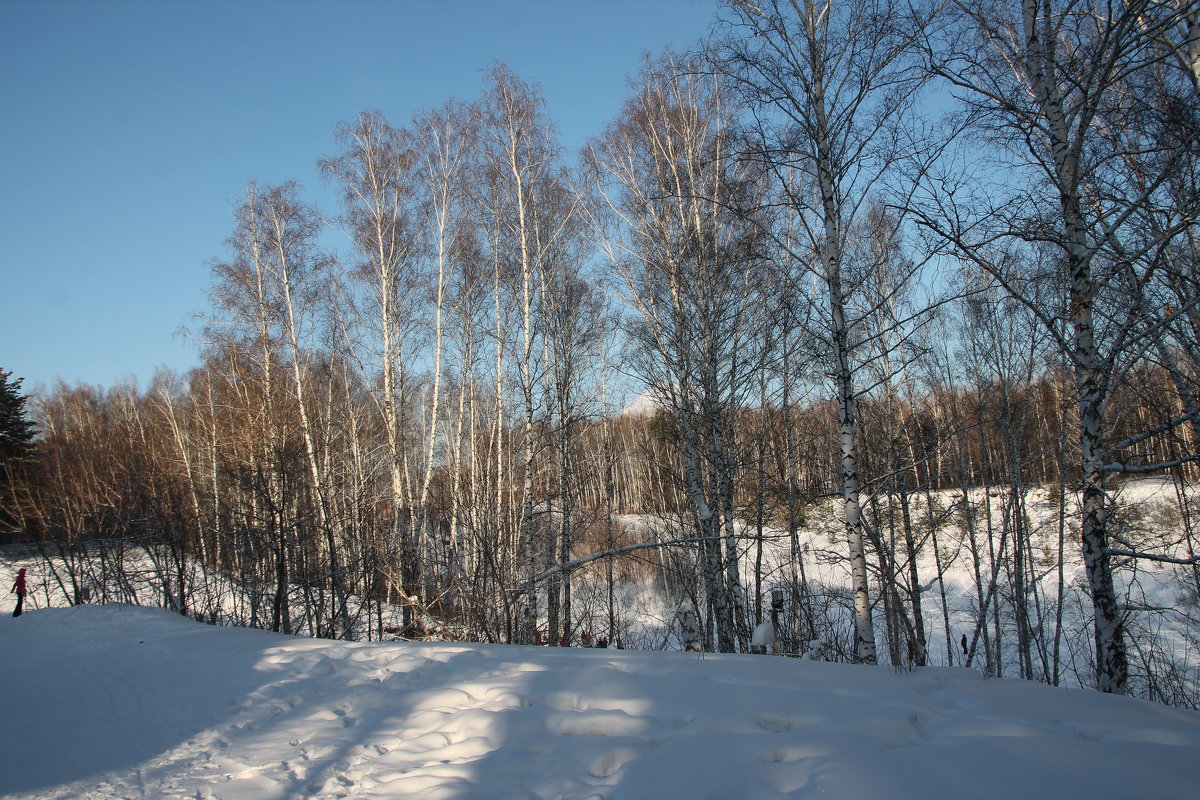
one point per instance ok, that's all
(124, 702)
(114, 700)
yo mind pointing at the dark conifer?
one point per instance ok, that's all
(16, 432)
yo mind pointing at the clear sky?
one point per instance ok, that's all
(128, 129)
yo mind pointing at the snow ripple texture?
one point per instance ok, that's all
(124, 702)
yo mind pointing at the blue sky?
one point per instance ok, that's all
(130, 128)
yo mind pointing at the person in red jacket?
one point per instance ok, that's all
(19, 589)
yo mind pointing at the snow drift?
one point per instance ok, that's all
(119, 702)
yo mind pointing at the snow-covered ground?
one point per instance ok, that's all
(123, 702)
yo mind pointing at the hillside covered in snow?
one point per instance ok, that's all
(124, 702)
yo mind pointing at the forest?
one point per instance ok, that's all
(899, 266)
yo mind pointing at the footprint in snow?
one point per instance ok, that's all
(792, 754)
(611, 762)
(773, 724)
(324, 666)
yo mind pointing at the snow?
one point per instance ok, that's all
(118, 701)
(645, 404)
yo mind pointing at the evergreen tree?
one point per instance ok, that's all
(16, 445)
(16, 432)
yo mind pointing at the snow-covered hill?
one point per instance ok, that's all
(124, 702)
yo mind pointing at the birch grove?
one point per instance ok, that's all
(857, 329)
(1068, 96)
(687, 265)
(829, 84)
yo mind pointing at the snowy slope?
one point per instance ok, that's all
(124, 702)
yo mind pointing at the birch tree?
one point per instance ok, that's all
(688, 268)
(829, 87)
(383, 218)
(444, 139)
(529, 213)
(1058, 90)
(245, 338)
(298, 271)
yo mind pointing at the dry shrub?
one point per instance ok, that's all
(599, 533)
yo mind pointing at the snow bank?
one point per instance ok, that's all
(118, 702)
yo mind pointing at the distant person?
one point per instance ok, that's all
(20, 589)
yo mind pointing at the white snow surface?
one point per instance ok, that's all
(643, 405)
(119, 701)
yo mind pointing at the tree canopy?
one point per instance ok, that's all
(16, 432)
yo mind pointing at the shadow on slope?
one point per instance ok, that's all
(113, 702)
(91, 690)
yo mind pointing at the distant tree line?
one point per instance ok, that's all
(822, 289)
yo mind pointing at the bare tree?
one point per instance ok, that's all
(829, 86)
(1058, 91)
(529, 211)
(383, 218)
(687, 265)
